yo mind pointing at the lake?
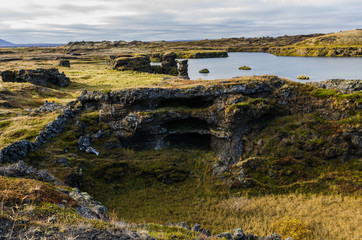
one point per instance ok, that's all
(317, 68)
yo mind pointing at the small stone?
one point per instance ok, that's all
(224, 235)
(7, 105)
(63, 161)
(92, 150)
(206, 232)
(238, 234)
(274, 236)
(184, 225)
(250, 237)
(196, 227)
(83, 142)
(52, 219)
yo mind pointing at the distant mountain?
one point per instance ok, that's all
(38, 45)
(4, 43)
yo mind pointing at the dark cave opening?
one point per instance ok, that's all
(195, 102)
(186, 124)
(189, 140)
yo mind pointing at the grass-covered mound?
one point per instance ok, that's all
(344, 44)
(244, 68)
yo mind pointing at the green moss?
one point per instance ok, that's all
(355, 119)
(324, 93)
(62, 214)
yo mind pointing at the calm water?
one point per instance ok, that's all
(317, 68)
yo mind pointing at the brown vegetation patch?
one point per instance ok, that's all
(18, 190)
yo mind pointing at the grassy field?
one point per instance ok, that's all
(17, 123)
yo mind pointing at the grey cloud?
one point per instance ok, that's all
(169, 20)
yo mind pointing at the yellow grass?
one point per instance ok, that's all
(23, 127)
(327, 217)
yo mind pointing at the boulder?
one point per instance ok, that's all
(133, 63)
(274, 236)
(183, 225)
(196, 227)
(344, 86)
(205, 70)
(169, 64)
(205, 232)
(64, 63)
(41, 77)
(10, 76)
(50, 106)
(238, 234)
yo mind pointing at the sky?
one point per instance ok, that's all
(62, 21)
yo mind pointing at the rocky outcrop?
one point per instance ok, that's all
(344, 86)
(152, 118)
(134, 63)
(88, 207)
(169, 64)
(41, 77)
(183, 69)
(218, 117)
(23, 170)
(50, 106)
(16, 151)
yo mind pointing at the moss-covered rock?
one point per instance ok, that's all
(133, 63)
(244, 68)
(205, 70)
(303, 77)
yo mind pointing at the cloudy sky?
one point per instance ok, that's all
(61, 21)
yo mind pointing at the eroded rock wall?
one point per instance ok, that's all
(203, 117)
(41, 77)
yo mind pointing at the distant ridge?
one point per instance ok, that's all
(4, 43)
